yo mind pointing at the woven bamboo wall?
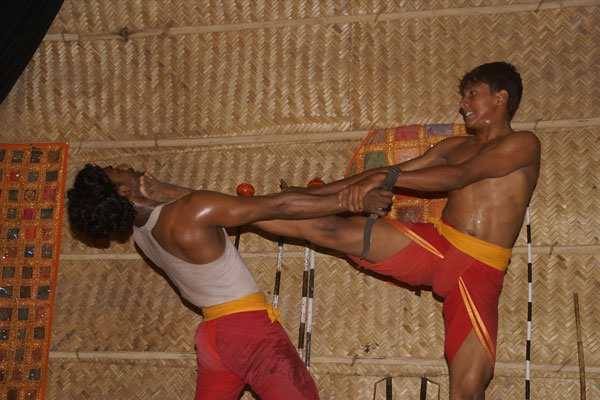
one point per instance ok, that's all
(211, 94)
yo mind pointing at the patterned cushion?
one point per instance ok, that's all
(391, 146)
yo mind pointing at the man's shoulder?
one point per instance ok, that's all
(197, 198)
(188, 206)
(525, 138)
(454, 140)
(448, 144)
(527, 134)
(193, 212)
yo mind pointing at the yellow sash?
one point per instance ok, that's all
(493, 255)
(252, 302)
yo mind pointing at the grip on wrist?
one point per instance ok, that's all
(390, 179)
(388, 184)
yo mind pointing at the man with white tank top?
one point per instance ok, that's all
(240, 340)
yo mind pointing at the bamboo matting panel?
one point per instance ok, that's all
(94, 380)
(284, 79)
(111, 305)
(354, 313)
(220, 169)
(359, 383)
(105, 15)
(562, 206)
(566, 201)
(148, 316)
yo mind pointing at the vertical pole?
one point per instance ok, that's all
(423, 395)
(308, 282)
(302, 328)
(529, 309)
(388, 388)
(278, 272)
(311, 287)
(582, 394)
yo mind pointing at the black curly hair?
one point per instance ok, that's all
(95, 207)
(498, 75)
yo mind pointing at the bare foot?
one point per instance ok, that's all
(286, 188)
(160, 191)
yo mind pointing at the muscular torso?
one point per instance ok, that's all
(491, 209)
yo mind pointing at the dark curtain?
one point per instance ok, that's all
(23, 24)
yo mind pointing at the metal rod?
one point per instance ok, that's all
(423, 388)
(579, 349)
(311, 289)
(302, 327)
(529, 309)
(388, 388)
(278, 272)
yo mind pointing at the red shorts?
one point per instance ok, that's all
(247, 348)
(470, 288)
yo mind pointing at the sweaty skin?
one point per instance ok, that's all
(255, 352)
(489, 176)
(190, 227)
(489, 182)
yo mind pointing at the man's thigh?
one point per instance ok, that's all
(261, 354)
(346, 235)
(214, 380)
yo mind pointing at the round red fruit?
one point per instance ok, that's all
(245, 189)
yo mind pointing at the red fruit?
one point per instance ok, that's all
(316, 182)
(245, 189)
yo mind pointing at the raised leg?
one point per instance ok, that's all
(471, 371)
(341, 234)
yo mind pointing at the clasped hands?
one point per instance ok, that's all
(364, 196)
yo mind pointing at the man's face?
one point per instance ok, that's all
(123, 175)
(477, 105)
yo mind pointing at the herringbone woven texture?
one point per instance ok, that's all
(355, 314)
(112, 71)
(292, 77)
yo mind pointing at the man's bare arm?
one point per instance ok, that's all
(218, 209)
(520, 150)
(336, 186)
(433, 156)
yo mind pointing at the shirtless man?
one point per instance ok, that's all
(238, 342)
(490, 177)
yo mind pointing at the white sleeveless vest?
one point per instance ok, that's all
(225, 279)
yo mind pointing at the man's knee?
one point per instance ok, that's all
(471, 385)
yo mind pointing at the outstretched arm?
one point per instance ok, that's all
(235, 211)
(218, 209)
(433, 156)
(520, 150)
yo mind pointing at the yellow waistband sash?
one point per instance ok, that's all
(493, 255)
(252, 302)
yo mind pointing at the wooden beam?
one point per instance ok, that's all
(501, 366)
(373, 18)
(543, 250)
(296, 137)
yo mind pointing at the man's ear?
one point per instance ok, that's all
(123, 190)
(502, 97)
